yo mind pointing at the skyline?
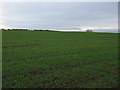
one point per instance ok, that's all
(60, 16)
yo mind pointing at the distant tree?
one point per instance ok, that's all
(89, 30)
(8, 29)
(2, 29)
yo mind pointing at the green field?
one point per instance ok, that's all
(47, 59)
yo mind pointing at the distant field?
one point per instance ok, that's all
(37, 59)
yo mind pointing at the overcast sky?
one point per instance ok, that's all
(60, 15)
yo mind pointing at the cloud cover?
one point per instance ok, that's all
(59, 15)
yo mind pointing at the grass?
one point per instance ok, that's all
(44, 59)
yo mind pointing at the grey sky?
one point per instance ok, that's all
(60, 15)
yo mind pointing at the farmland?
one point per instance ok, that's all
(47, 59)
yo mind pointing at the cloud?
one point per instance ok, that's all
(62, 15)
(59, 0)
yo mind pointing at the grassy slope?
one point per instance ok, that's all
(59, 59)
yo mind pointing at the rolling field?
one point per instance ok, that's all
(44, 59)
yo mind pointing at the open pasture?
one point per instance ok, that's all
(47, 59)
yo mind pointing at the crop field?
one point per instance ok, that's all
(47, 59)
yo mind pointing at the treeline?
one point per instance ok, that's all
(24, 30)
(89, 30)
